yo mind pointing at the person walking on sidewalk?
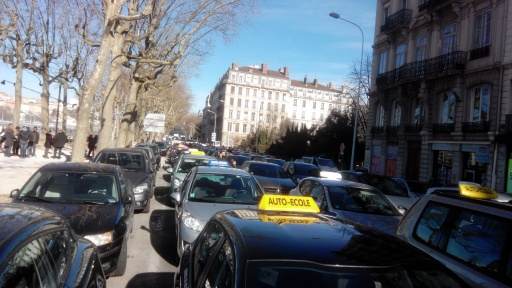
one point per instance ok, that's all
(8, 140)
(59, 141)
(16, 142)
(24, 138)
(32, 143)
(48, 142)
(91, 145)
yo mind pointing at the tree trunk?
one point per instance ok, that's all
(65, 104)
(129, 119)
(45, 99)
(19, 81)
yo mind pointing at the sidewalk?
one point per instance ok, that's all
(15, 171)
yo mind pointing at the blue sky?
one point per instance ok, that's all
(294, 33)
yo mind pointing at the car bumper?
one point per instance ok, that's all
(187, 236)
(109, 255)
(141, 200)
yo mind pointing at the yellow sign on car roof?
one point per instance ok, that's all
(196, 152)
(287, 219)
(285, 203)
(475, 191)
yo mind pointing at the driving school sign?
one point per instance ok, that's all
(154, 122)
(302, 204)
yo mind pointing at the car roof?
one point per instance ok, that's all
(340, 183)
(304, 164)
(261, 162)
(486, 202)
(190, 156)
(121, 150)
(317, 239)
(80, 167)
(221, 170)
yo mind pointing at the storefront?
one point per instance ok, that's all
(391, 160)
(377, 160)
(475, 163)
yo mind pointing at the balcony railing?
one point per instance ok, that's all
(443, 127)
(480, 52)
(472, 127)
(398, 20)
(414, 128)
(392, 131)
(432, 68)
(428, 4)
(377, 130)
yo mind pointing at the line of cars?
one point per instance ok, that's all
(69, 224)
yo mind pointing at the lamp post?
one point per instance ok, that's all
(214, 139)
(354, 136)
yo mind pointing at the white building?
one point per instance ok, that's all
(249, 97)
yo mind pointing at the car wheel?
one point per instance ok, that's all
(121, 261)
(98, 282)
(148, 205)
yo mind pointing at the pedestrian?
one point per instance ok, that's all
(92, 140)
(16, 142)
(59, 141)
(23, 138)
(32, 143)
(48, 142)
(8, 140)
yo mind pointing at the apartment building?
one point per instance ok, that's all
(441, 89)
(250, 97)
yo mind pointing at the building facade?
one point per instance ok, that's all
(247, 98)
(441, 89)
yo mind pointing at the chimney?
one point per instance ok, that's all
(305, 79)
(264, 68)
(315, 82)
(285, 71)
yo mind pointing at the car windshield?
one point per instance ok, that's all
(127, 161)
(326, 163)
(266, 170)
(361, 201)
(188, 163)
(306, 170)
(71, 187)
(224, 188)
(386, 185)
(284, 274)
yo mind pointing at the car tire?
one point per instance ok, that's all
(121, 261)
(147, 207)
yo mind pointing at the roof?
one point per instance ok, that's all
(315, 239)
(258, 71)
(318, 86)
(80, 167)
(221, 170)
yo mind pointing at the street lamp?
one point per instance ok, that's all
(214, 139)
(354, 136)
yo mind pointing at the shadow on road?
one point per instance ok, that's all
(163, 236)
(167, 177)
(162, 196)
(151, 279)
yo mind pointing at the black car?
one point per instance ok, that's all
(137, 169)
(279, 162)
(271, 177)
(151, 156)
(163, 148)
(251, 248)
(301, 170)
(238, 160)
(95, 198)
(39, 249)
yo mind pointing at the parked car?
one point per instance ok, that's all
(156, 153)
(39, 249)
(163, 148)
(185, 163)
(300, 170)
(137, 168)
(277, 161)
(327, 168)
(260, 158)
(356, 202)
(468, 232)
(239, 160)
(271, 177)
(206, 191)
(96, 199)
(396, 192)
(151, 156)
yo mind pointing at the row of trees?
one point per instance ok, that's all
(122, 58)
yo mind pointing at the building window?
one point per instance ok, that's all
(253, 104)
(284, 97)
(404, 4)
(480, 97)
(283, 108)
(400, 55)
(482, 32)
(237, 127)
(244, 128)
(383, 62)
(419, 115)
(303, 115)
(232, 90)
(254, 92)
(322, 106)
(231, 101)
(303, 103)
(269, 106)
(396, 115)
(294, 114)
(247, 91)
(246, 103)
(449, 38)
(276, 107)
(421, 47)
(240, 91)
(252, 128)
(330, 107)
(294, 102)
(230, 114)
(230, 126)
(321, 117)
(239, 102)
(448, 108)
(385, 14)
(261, 105)
(314, 105)
(241, 79)
(253, 116)
(269, 95)
(262, 94)
(313, 116)
(277, 96)
(379, 117)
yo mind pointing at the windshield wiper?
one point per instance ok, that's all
(35, 198)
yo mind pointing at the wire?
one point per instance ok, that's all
(26, 88)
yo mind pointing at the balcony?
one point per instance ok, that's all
(414, 128)
(444, 65)
(429, 4)
(443, 127)
(392, 131)
(475, 127)
(396, 21)
(481, 52)
(377, 130)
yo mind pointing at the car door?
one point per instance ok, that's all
(178, 208)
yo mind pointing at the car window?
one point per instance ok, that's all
(430, 223)
(326, 163)
(188, 163)
(318, 195)
(224, 188)
(108, 158)
(305, 187)
(131, 161)
(386, 185)
(361, 201)
(266, 170)
(306, 170)
(207, 243)
(222, 270)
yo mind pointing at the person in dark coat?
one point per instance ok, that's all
(8, 140)
(90, 146)
(32, 143)
(59, 141)
(24, 138)
(16, 143)
(48, 142)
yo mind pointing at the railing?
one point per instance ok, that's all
(472, 127)
(446, 64)
(377, 130)
(426, 4)
(414, 128)
(480, 52)
(392, 131)
(400, 19)
(443, 127)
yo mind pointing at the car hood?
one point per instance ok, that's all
(386, 224)
(275, 182)
(203, 211)
(405, 202)
(136, 177)
(87, 219)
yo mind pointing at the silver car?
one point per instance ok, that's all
(352, 201)
(206, 191)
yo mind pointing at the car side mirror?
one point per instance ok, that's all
(169, 170)
(15, 193)
(402, 210)
(176, 197)
(129, 199)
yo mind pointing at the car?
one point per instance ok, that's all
(399, 195)
(163, 148)
(237, 160)
(151, 156)
(279, 162)
(96, 199)
(356, 202)
(137, 169)
(300, 170)
(455, 190)
(39, 249)
(281, 246)
(468, 232)
(327, 168)
(185, 163)
(206, 191)
(271, 177)
(155, 151)
(260, 158)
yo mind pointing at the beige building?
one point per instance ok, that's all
(441, 89)
(250, 97)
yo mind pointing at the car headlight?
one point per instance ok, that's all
(101, 239)
(176, 183)
(141, 188)
(191, 222)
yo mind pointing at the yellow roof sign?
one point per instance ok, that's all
(196, 152)
(287, 203)
(476, 191)
(286, 219)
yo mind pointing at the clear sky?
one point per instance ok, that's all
(294, 33)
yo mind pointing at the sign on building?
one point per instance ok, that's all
(154, 122)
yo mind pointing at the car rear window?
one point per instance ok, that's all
(385, 184)
(306, 170)
(266, 170)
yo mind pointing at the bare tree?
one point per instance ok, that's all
(363, 78)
